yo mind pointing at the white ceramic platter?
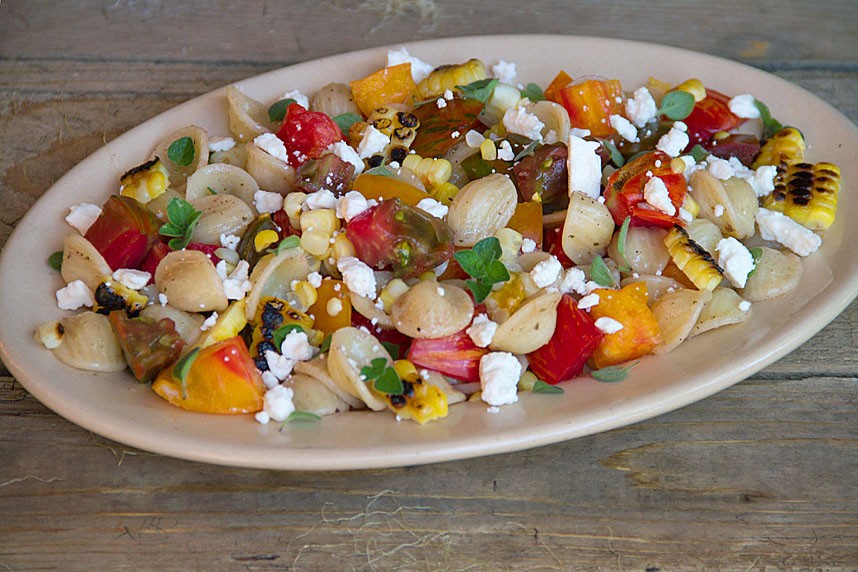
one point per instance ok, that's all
(119, 408)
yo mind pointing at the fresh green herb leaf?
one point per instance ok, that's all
(181, 151)
(616, 157)
(481, 90)
(676, 105)
(770, 124)
(287, 243)
(300, 417)
(345, 121)
(392, 349)
(277, 111)
(183, 367)
(55, 260)
(542, 387)
(278, 335)
(699, 153)
(613, 373)
(529, 150)
(326, 344)
(621, 244)
(600, 273)
(382, 170)
(384, 377)
(183, 218)
(756, 253)
(211, 191)
(483, 264)
(533, 92)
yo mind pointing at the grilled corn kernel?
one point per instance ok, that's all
(488, 150)
(264, 239)
(785, 146)
(693, 260)
(316, 242)
(342, 247)
(807, 193)
(321, 219)
(447, 77)
(391, 291)
(399, 126)
(444, 193)
(292, 205)
(306, 293)
(406, 370)
(111, 295)
(145, 182)
(411, 162)
(274, 313)
(504, 302)
(690, 206)
(694, 87)
(50, 334)
(421, 401)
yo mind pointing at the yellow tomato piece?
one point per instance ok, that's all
(640, 333)
(527, 219)
(381, 187)
(393, 84)
(333, 308)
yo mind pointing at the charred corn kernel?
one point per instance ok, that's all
(50, 334)
(111, 295)
(444, 193)
(527, 381)
(274, 313)
(677, 166)
(693, 259)
(439, 172)
(342, 247)
(399, 126)
(510, 243)
(488, 150)
(411, 162)
(785, 146)
(503, 98)
(306, 293)
(264, 239)
(391, 291)
(292, 205)
(690, 205)
(321, 219)
(145, 182)
(693, 86)
(316, 242)
(447, 77)
(504, 302)
(421, 401)
(229, 324)
(406, 370)
(807, 193)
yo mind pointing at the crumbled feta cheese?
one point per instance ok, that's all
(588, 301)
(299, 98)
(656, 195)
(296, 347)
(718, 211)
(505, 152)
(744, 106)
(322, 199)
(736, 260)
(448, 94)
(522, 122)
(237, 285)
(266, 202)
(499, 374)
(641, 107)
(272, 145)
(482, 330)
(579, 132)
(685, 216)
(505, 71)
(82, 216)
(474, 139)
(782, 229)
(454, 135)
(608, 325)
(75, 295)
(373, 141)
(269, 379)
(719, 168)
(162, 299)
(744, 305)
(352, 204)
(584, 166)
(229, 241)
(433, 207)
(262, 417)
(133, 279)
(574, 280)
(209, 322)
(358, 277)
(419, 68)
(441, 103)
(345, 152)
(315, 279)
(674, 141)
(280, 366)
(545, 273)
(528, 245)
(218, 144)
(625, 128)
(763, 182)
(277, 405)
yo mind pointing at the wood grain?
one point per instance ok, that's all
(757, 477)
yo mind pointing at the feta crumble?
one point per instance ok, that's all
(133, 279)
(357, 276)
(522, 122)
(505, 71)
(321, 199)
(269, 380)
(584, 166)
(782, 229)
(441, 103)
(625, 128)
(574, 280)
(266, 202)
(373, 141)
(220, 144)
(641, 107)
(272, 145)
(499, 374)
(280, 366)
(237, 285)
(433, 207)
(656, 195)
(736, 260)
(482, 330)
(744, 305)
(528, 245)
(315, 279)
(505, 152)
(675, 140)
(82, 216)
(75, 295)
(296, 347)
(299, 98)
(719, 168)
(419, 68)
(718, 211)
(277, 405)
(744, 106)
(352, 204)
(346, 153)
(608, 325)
(230, 241)
(588, 301)
(209, 322)
(162, 299)
(545, 273)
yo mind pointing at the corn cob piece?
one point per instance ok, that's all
(807, 193)
(693, 260)
(785, 146)
(421, 401)
(399, 126)
(273, 313)
(145, 182)
(447, 77)
(111, 295)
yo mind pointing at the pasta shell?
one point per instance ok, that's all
(530, 327)
(656, 286)
(722, 310)
(81, 261)
(274, 273)
(247, 117)
(734, 200)
(187, 324)
(314, 397)
(777, 273)
(158, 205)
(221, 179)
(677, 313)
(90, 344)
(555, 118)
(334, 99)
(432, 310)
(189, 280)
(236, 156)
(588, 229)
(179, 173)
(452, 394)
(481, 208)
(351, 350)
(222, 214)
(270, 173)
(644, 250)
(705, 233)
(367, 308)
(317, 369)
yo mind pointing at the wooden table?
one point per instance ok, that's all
(759, 477)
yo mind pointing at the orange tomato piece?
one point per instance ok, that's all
(222, 379)
(379, 186)
(388, 85)
(325, 321)
(640, 333)
(591, 103)
(527, 219)
(561, 80)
